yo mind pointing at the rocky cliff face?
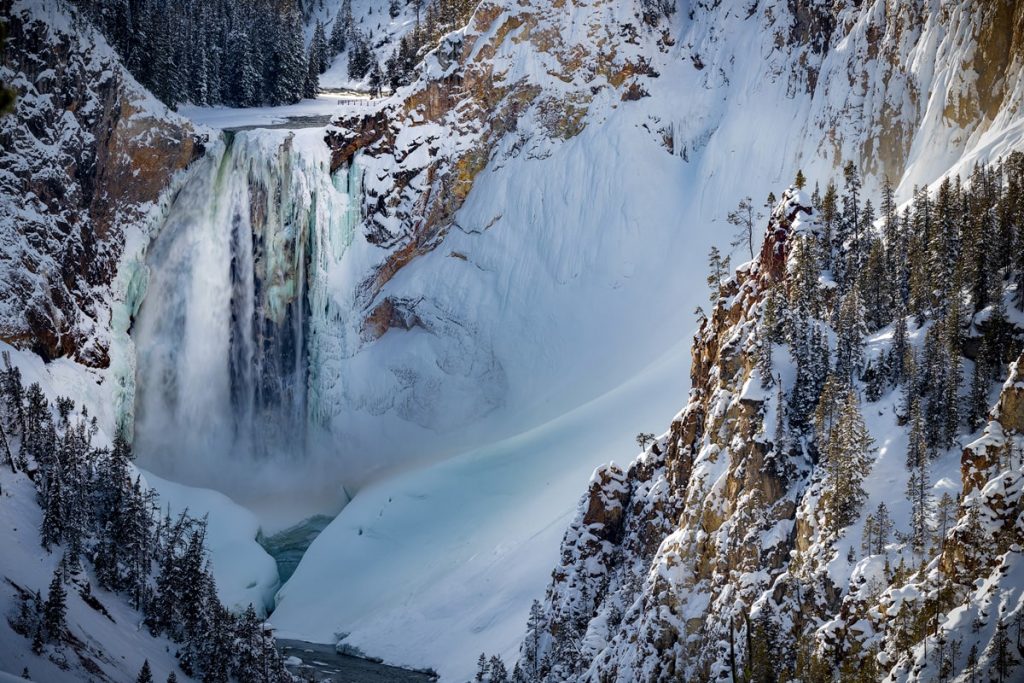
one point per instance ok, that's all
(86, 154)
(665, 555)
(713, 555)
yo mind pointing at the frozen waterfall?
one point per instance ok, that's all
(233, 311)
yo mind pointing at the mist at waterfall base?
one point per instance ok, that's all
(223, 337)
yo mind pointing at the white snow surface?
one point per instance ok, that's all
(240, 117)
(245, 573)
(119, 643)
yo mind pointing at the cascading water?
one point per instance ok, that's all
(233, 311)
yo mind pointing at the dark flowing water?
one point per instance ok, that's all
(322, 663)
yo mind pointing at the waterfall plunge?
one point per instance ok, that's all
(225, 331)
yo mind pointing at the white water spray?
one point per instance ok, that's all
(231, 315)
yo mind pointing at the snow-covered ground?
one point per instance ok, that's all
(117, 642)
(245, 573)
(232, 117)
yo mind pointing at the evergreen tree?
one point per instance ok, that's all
(359, 57)
(846, 462)
(878, 528)
(898, 352)
(376, 79)
(830, 231)
(54, 506)
(828, 410)
(312, 84)
(945, 519)
(718, 271)
(483, 668)
(145, 675)
(977, 402)
(1000, 654)
(917, 447)
(14, 397)
(530, 651)
(918, 487)
(848, 237)
(804, 277)
(874, 286)
(743, 218)
(850, 331)
(341, 28)
(290, 84)
(942, 246)
(499, 674)
(318, 47)
(764, 363)
(244, 79)
(55, 608)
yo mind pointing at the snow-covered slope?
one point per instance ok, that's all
(371, 18)
(107, 638)
(113, 641)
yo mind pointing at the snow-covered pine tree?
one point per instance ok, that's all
(55, 607)
(529, 659)
(340, 29)
(249, 648)
(918, 493)
(244, 79)
(850, 331)
(311, 86)
(846, 462)
(718, 270)
(145, 673)
(290, 62)
(318, 46)
(499, 673)
(376, 82)
(359, 56)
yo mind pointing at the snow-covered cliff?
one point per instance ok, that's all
(87, 155)
(726, 548)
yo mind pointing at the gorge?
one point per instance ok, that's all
(388, 343)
